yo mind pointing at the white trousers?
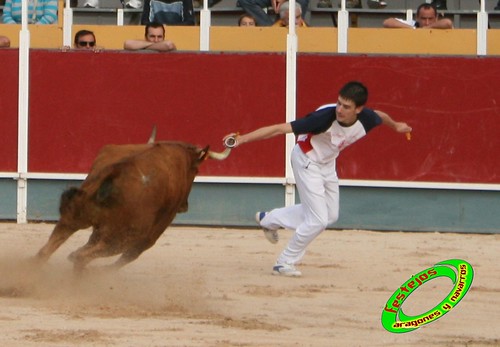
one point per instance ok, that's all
(318, 188)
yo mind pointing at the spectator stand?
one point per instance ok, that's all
(226, 13)
(462, 12)
(110, 12)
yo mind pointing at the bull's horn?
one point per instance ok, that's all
(152, 138)
(219, 155)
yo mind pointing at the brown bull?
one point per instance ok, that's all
(130, 196)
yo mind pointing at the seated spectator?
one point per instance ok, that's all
(284, 14)
(255, 8)
(427, 17)
(246, 21)
(4, 42)
(45, 12)
(85, 39)
(170, 12)
(155, 40)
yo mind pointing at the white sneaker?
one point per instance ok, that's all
(286, 270)
(271, 235)
(91, 4)
(376, 4)
(134, 4)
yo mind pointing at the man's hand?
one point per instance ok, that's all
(402, 127)
(276, 5)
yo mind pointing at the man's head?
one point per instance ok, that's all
(154, 32)
(85, 39)
(285, 11)
(246, 21)
(426, 15)
(355, 92)
(352, 98)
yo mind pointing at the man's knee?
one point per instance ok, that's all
(333, 218)
(318, 224)
(304, 4)
(244, 3)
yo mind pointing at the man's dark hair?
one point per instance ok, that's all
(83, 33)
(426, 6)
(356, 92)
(153, 25)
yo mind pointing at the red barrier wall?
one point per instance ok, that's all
(80, 101)
(452, 103)
(9, 60)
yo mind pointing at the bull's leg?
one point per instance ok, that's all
(84, 255)
(134, 252)
(131, 254)
(59, 235)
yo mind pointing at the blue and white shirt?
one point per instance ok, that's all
(321, 137)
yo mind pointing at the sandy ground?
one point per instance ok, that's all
(213, 287)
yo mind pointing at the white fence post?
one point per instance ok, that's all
(482, 30)
(291, 101)
(342, 26)
(205, 22)
(23, 112)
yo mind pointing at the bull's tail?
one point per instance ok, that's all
(70, 202)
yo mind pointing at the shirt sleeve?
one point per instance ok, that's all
(369, 119)
(7, 13)
(49, 9)
(315, 122)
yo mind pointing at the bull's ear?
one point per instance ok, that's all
(203, 153)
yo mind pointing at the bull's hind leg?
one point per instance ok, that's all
(59, 235)
(84, 255)
(72, 219)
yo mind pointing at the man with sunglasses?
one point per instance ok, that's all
(85, 39)
(154, 35)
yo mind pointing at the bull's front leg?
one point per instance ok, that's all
(59, 235)
(137, 248)
(128, 256)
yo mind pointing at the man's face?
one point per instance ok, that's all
(155, 35)
(346, 111)
(85, 42)
(426, 17)
(247, 22)
(286, 19)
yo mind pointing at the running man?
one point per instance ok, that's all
(321, 135)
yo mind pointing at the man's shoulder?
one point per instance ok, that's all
(333, 105)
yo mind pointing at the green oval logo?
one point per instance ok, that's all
(461, 274)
